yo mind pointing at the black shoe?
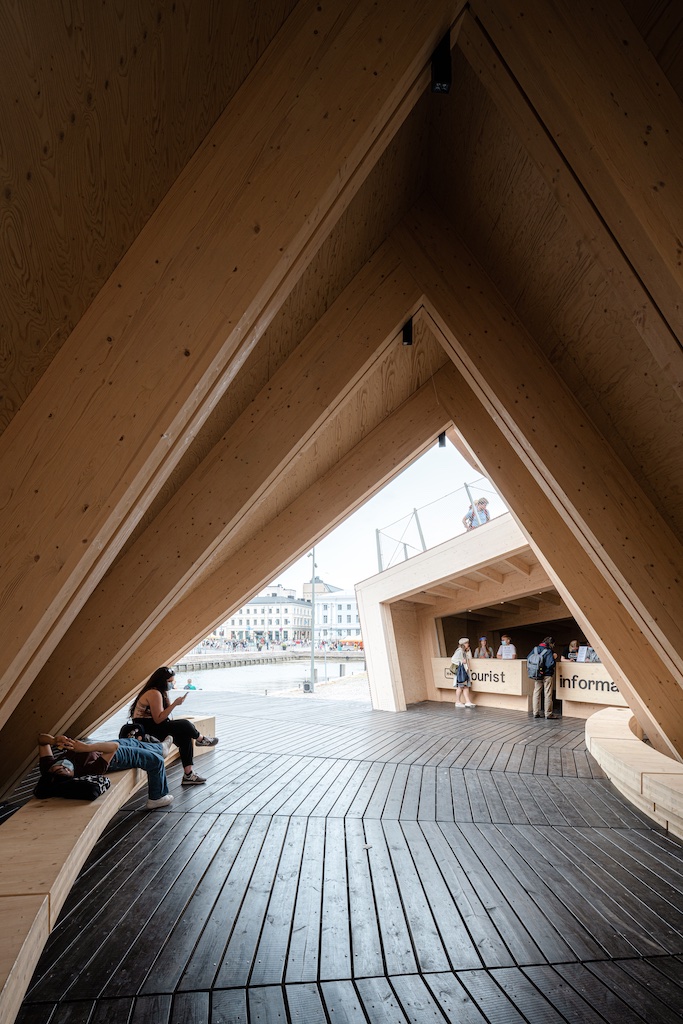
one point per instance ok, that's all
(549, 717)
(537, 715)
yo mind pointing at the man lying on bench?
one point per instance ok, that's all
(96, 759)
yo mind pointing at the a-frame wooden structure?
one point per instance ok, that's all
(217, 217)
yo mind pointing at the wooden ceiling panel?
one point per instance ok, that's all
(104, 105)
(389, 383)
(392, 187)
(488, 186)
(660, 23)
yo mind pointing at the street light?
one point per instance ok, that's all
(310, 688)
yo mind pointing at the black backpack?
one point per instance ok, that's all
(534, 664)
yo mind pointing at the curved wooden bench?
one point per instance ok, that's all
(650, 780)
(43, 846)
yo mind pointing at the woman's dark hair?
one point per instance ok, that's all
(157, 681)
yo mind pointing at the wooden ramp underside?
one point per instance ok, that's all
(350, 865)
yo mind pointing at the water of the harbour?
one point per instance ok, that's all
(262, 678)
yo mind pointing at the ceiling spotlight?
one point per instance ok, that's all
(407, 333)
(442, 73)
(442, 439)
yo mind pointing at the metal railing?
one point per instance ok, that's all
(434, 523)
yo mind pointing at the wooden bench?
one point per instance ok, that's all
(43, 846)
(652, 781)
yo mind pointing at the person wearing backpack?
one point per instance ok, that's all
(541, 668)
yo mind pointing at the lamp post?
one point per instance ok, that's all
(311, 685)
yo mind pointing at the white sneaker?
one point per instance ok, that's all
(167, 746)
(468, 704)
(458, 704)
(163, 801)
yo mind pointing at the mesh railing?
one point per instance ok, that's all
(432, 524)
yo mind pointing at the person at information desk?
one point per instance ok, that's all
(483, 650)
(571, 652)
(507, 649)
(546, 682)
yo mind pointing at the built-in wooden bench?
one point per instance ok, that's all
(42, 848)
(650, 780)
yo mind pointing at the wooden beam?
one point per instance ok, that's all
(527, 602)
(465, 583)
(128, 390)
(628, 544)
(647, 682)
(442, 591)
(589, 101)
(231, 483)
(462, 449)
(551, 597)
(518, 564)
(255, 560)
(486, 612)
(491, 574)
(420, 598)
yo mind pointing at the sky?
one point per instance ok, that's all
(433, 484)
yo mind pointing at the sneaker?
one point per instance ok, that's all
(192, 779)
(458, 705)
(468, 704)
(206, 741)
(167, 746)
(163, 801)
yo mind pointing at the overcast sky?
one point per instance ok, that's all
(349, 553)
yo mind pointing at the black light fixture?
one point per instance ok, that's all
(442, 440)
(407, 336)
(442, 72)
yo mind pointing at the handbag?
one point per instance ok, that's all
(462, 675)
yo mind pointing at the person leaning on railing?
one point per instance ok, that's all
(476, 515)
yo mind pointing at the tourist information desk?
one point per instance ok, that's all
(582, 688)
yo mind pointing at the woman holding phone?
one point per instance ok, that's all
(151, 710)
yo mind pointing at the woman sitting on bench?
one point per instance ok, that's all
(151, 710)
(102, 757)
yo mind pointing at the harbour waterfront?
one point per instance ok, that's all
(261, 678)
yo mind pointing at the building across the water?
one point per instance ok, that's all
(277, 615)
(336, 612)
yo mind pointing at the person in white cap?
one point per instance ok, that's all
(476, 515)
(460, 664)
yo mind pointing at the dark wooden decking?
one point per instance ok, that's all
(344, 865)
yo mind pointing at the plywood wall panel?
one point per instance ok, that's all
(542, 264)
(392, 187)
(103, 104)
(660, 22)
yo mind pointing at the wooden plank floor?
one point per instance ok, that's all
(344, 865)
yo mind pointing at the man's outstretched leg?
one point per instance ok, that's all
(133, 754)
